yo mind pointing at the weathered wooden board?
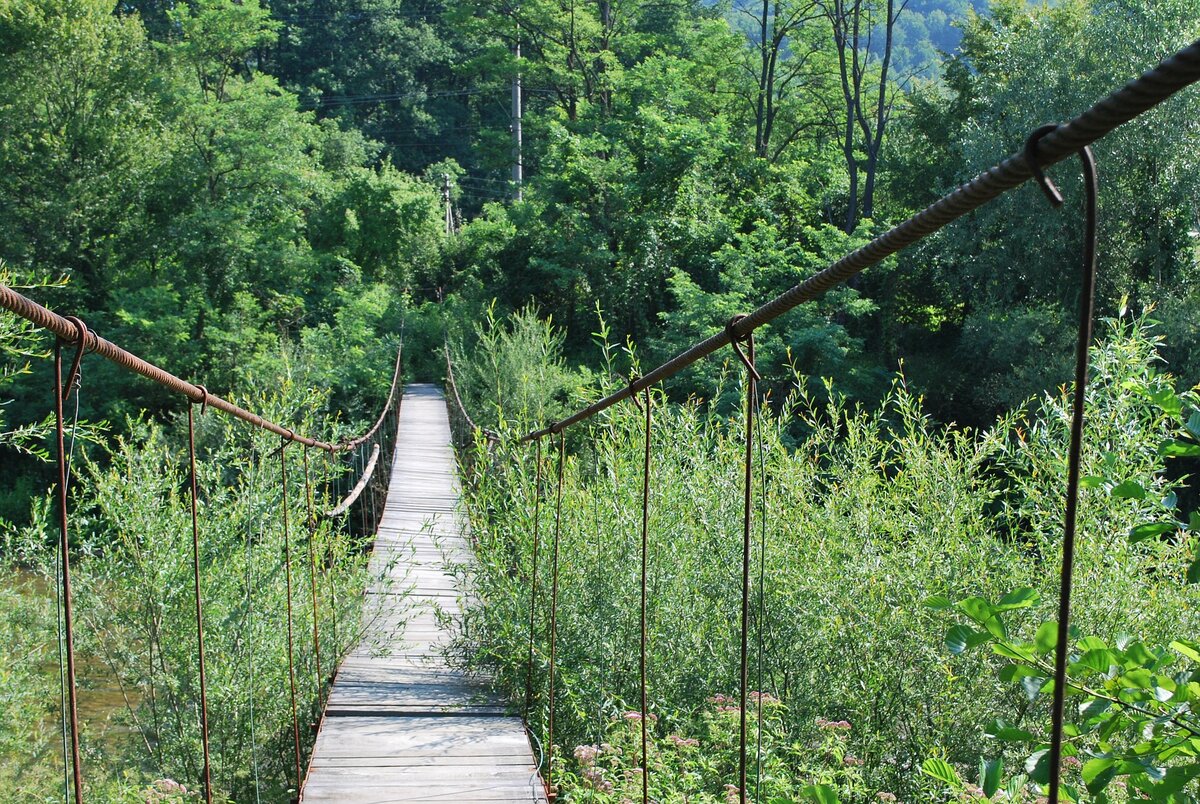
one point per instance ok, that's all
(402, 724)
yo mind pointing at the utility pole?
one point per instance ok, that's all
(518, 173)
(446, 203)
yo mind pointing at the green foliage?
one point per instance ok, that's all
(883, 502)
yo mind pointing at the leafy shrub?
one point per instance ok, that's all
(867, 514)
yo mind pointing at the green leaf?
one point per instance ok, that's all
(1193, 424)
(1097, 773)
(1093, 481)
(1175, 448)
(1011, 734)
(938, 603)
(941, 770)
(1016, 672)
(1193, 570)
(977, 609)
(1187, 649)
(1093, 707)
(820, 793)
(1046, 638)
(1129, 490)
(1032, 686)
(1167, 400)
(990, 771)
(1021, 598)
(960, 637)
(1149, 530)
(1038, 766)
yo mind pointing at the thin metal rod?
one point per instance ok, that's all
(533, 584)
(64, 546)
(1074, 459)
(562, 449)
(1136, 97)
(748, 478)
(312, 577)
(643, 622)
(208, 796)
(287, 563)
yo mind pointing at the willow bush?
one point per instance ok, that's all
(135, 628)
(867, 514)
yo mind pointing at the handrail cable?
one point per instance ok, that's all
(69, 332)
(1139, 95)
(345, 504)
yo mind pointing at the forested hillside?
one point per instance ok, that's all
(223, 180)
(271, 197)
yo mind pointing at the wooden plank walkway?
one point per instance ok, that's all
(404, 725)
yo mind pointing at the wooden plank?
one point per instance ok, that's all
(402, 724)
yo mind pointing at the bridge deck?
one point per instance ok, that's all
(402, 724)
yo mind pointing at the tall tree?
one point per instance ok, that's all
(868, 98)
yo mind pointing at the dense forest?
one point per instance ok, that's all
(270, 198)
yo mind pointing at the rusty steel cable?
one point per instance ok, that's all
(208, 795)
(312, 577)
(752, 377)
(643, 624)
(533, 583)
(1087, 295)
(551, 793)
(397, 371)
(287, 564)
(65, 328)
(1139, 95)
(462, 409)
(64, 547)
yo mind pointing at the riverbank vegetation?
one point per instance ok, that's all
(869, 523)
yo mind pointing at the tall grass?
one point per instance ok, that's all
(866, 515)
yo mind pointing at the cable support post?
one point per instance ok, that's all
(1075, 448)
(70, 680)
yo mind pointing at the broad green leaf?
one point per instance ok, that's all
(1038, 766)
(977, 609)
(1033, 686)
(1167, 400)
(990, 771)
(1097, 773)
(1098, 661)
(1129, 490)
(960, 637)
(1016, 672)
(1186, 649)
(938, 602)
(1179, 449)
(941, 770)
(1021, 598)
(820, 793)
(1193, 424)
(1011, 734)
(1093, 481)
(1193, 570)
(1046, 638)
(1149, 530)
(1093, 707)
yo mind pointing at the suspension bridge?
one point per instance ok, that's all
(407, 725)
(404, 725)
